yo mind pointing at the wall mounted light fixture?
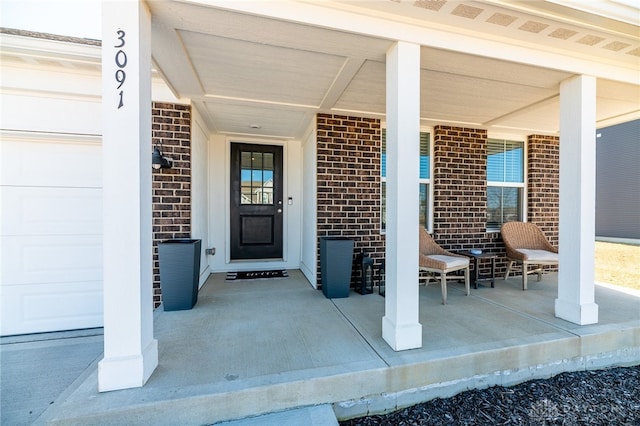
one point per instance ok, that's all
(158, 161)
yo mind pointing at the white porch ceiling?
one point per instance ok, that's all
(268, 76)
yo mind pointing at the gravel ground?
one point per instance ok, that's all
(602, 397)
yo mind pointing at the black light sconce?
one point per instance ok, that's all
(158, 161)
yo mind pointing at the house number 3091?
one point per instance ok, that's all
(121, 63)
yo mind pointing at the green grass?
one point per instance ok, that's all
(618, 264)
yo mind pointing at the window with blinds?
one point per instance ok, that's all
(425, 178)
(505, 182)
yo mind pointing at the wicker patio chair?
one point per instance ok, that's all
(526, 244)
(435, 259)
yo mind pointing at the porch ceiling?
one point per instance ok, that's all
(268, 76)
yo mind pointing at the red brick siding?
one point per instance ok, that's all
(349, 151)
(543, 175)
(348, 183)
(171, 132)
(460, 191)
(460, 187)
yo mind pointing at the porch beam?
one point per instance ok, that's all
(130, 351)
(400, 326)
(336, 16)
(576, 276)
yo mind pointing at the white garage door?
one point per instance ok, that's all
(50, 232)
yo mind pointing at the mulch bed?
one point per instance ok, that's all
(600, 397)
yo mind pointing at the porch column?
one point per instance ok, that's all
(576, 277)
(400, 326)
(130, 351)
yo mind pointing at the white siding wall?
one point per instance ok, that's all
(293, 216)
(200, 189)
(309, 200)
(218, 201)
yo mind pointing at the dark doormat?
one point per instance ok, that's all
(254, 275)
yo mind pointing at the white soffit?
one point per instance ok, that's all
(490, 69)
(369, 80)
(616, 102)
(263, 71)
(537, 24)
(275, 121)
(623, 11)
(489, 63)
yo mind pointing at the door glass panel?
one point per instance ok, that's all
(256, 176)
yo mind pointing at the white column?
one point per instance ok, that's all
(130, 351)
(400, 326)
(576, 280)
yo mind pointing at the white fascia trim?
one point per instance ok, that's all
(620, 10)
(82, 97)
(56, 50)
(326, 15)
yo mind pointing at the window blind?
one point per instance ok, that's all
(424, 154)
(505, 161)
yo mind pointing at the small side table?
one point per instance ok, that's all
(476, 260)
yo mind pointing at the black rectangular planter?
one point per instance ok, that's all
(336, 261)
(179, 273)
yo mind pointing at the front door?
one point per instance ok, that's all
(256, 201)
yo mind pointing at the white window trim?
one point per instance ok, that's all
(506, 184)
(427, 181)
(524, 184)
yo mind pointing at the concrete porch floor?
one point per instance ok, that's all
(254, 347)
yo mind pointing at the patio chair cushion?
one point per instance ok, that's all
(450, 261)
(539, 255)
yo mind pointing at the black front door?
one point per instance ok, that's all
(256, 201)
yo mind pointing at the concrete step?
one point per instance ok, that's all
(319, 415)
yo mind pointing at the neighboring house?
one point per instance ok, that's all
(376, 118)
(618, 182)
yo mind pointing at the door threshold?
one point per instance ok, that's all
(255, 260)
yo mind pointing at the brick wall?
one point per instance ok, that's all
(460, 187)
(460, 192)
(543, 174)
(348, 183)
(349, 152)
(171, 132)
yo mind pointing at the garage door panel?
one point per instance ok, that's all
(46, 114)
(51, 259)
(51, 211)
(64, 163)
(31, 308)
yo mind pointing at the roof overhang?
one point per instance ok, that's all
(266, 68)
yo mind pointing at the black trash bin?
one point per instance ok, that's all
(336, 261)
(179, 273)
